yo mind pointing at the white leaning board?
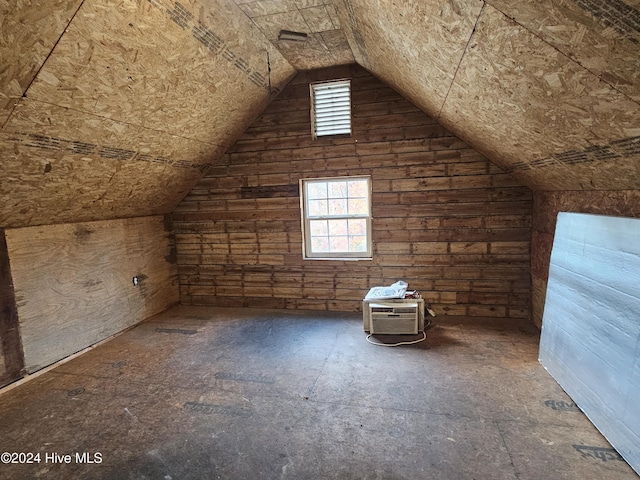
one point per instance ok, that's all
(590, 339)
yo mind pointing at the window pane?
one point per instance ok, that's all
(339, 244)
(337, 227)
(358, 206)
(319, 244)
(358, 243)
(358, 188)
(338, 206)
(337, 218)
(317, 208)
(316, 190)
(357, 226)
(319, 228)
(337, 189)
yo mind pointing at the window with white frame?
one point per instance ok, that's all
(336, 217)
(331, 108)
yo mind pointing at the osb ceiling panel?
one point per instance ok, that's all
(69, 166)
(28, 31)
(413, 46)
(326, 44)
(602, 36)
(185, 68)
(546, 119)
(132, 104)
(547, 90)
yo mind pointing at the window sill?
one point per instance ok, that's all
(340, 259)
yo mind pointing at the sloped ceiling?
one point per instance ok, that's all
(114, 109)
(548, 90)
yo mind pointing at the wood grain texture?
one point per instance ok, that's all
(135, 101)
(445, 219)
(547, 205)
(536, 106)
(414, 46)
(598, 35)
(29, 29)
(164, 65)
(61, 166)
(74, 282)
(547, 90)
(326, 44)
(11, 357)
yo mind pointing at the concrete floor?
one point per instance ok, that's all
(203, 393)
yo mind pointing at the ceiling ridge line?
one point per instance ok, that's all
(574, 60)
(24, 93)
(464, 53)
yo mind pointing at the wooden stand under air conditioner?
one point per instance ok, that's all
(393, 316)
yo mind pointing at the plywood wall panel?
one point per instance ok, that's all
(547, 90)
(325, 45)
(73, 282)
(533, 103)
(29, 29)
(445, 219)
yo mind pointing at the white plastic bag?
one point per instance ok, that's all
(396, 290)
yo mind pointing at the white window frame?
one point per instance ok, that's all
(325, 116)
(307, 250)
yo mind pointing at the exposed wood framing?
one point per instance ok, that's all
(11, 357)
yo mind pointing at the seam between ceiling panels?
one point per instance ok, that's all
(572, 59)
(464, 53)
(24, 93)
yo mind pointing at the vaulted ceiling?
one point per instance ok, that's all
(114, 109)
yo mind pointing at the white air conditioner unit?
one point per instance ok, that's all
(394, 318)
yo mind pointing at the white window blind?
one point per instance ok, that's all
(331, 107)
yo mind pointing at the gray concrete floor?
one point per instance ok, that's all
(199, 393)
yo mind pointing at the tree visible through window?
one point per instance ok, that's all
(336, 216)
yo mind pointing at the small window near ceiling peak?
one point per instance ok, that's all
(331, 108)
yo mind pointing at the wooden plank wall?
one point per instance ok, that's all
(547, 205)
(445, 219)
(74, 282)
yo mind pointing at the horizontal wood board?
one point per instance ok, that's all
(74, 282)
(445, 219)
